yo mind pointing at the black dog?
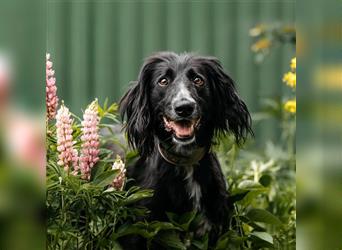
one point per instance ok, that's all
(174, 111)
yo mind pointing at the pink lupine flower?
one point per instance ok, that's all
(67, 156)
(51, 90)
(90, 140)
(119, 180)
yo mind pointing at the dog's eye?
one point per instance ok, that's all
(198, 81)
(163, 82)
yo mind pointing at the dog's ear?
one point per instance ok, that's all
(231, 113)
(135, 105)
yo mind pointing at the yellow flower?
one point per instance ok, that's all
(290, 106)
(293, 64)
(290, 79)
(288, 29)
(261, 44)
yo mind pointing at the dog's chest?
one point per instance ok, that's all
(193, 188)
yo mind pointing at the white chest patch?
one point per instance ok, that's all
(193, 188)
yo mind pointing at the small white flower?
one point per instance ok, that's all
(119, 180)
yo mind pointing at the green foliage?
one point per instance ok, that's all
(262, 186)
(93, 215)
(86, 214)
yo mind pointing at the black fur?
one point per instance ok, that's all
(218, 110)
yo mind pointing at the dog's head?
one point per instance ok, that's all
(182, 100)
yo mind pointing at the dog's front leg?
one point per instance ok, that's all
(218, 210)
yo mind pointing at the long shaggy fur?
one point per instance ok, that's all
(180, 188)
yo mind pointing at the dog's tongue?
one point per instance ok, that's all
(182, 129)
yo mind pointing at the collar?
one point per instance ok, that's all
(176, 159)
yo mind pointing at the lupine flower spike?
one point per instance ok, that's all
(67, 156)
(51, 90)
(90, 140)
(119, 181)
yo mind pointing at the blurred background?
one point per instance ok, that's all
(98, 47)
(22, 124)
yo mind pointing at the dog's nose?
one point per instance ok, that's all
(185, 109)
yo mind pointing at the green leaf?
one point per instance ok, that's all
(222, 244)
(201, 244)
(229, 240)
(250, 185)
(52, 185)
(110, 116)
(253, 224)
(158, 226)
(105, 105)
(113, 108)
(100, 111)
(170, 240)
(146, 230)
(105, 152)
(98, 169)
(138, 228)
(146, 193)
(265, 238)
(182, 221)
(250, 197)
(105, 178)
(261, 215)
(131, 157)
(238, 195)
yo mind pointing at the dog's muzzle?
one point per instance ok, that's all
(183, 121)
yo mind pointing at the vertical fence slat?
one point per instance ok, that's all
(177, 26)
(79, 56)
(105, 52)
(200, 29)
(98, 47)
(224, 26)
(128, 26)
(58, 44)
(154, 19)
(270, 74)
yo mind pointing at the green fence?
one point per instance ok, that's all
(98, 46)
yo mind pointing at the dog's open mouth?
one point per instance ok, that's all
(182, 129)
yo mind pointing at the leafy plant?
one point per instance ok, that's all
(92, 213)
(262, 184)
